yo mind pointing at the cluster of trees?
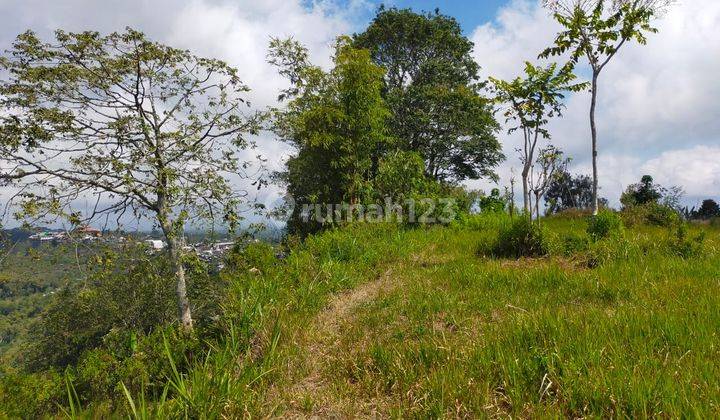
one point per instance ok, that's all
(156, 132)
(593, 31)
(400, 114)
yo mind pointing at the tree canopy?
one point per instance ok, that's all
(336, 122)
(529, 102)
(433, 92)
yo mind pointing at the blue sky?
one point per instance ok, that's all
(469, 13)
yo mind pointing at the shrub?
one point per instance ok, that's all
(652, 213)
(25, 395)
(573, 243)
(684, 245)
(521, 238)
(605, 224)
(258, 255)
(660, 215)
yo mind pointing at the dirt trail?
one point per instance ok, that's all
(320, 341)
(310, 395)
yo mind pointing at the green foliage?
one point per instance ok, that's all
(605, 224)
(493, 203)
(570, 192)
(143, 128)
(25, 395)
(530, 102)
(709, 209)
(685, 245)
(652, 214)
(401, 175)
(596, 30)
(117, 303)
(255, 255)
(574, 244)
(611, 250)
(431, 289)
(644, 192)
(521, 238)
(533, 99)
(336, 121)
(432, 90)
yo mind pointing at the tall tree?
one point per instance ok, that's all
(336, 122)
(530, 102)
(433, 91)
(596, 30)
(136, 126)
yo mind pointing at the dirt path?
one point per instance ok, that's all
(312, 393)
(320, 341)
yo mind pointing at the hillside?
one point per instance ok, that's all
(438, 331)
(380, 320)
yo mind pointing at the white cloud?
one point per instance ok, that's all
(658, 110)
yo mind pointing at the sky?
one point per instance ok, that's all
(658, 114)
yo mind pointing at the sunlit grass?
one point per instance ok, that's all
(451, 333)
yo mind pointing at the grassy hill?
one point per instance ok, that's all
(435, 330)
(376, 320)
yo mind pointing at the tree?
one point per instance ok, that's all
(141, 128)
(648, 192)
(432, 90)
(568, 191)
(550, 163)
(529, 103)
(597, 30)
(336, 122)
(644, 192)
(709, 209)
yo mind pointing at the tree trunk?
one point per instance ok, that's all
(593, 131)
(537, 208)
(526, 191)
(512, 197)
(183, 304)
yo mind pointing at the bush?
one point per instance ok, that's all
(652, 214)
(521, 238)
(26, 395)
(686, 246)
(605, 224)
(573, 243)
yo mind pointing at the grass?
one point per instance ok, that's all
(461, 336)
(378, 321)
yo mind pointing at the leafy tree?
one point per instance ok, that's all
(644, 192)
(400, 175)
(709, 209)
(142, 128)
(336, 122)
(530, 102)
(596, 30)
(432, 90)
(493, 203)
(648, 192)
(568, 191)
